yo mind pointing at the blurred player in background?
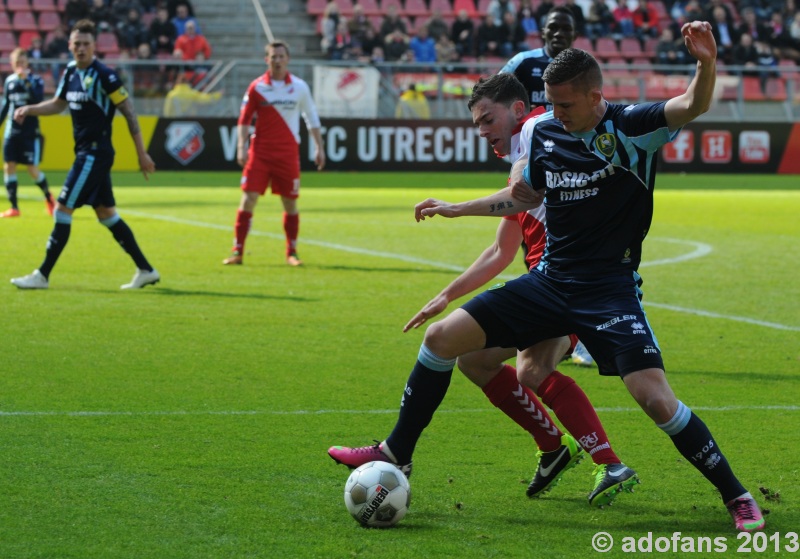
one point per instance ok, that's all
(93, 92)
(22, 142)
(275, 100)
(500, 109)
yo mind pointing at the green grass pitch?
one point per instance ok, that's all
(191, 419)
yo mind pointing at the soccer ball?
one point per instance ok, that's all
(377, 494)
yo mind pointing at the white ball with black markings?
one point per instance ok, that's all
(377, 494)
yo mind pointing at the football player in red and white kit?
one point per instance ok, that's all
(275, 101)
(506, 124)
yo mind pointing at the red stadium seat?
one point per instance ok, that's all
(26, 38)
(630, 48)
(18, 5)
(49, 21)
(483, 7)
(316, 7)
(468, 5)
(396, 3)
(345, 7)
(442, 6)
(5, 21)
(7, 41)
(24, 21)
(107, 43)
(605, 47)
(370, 7)
(44, 6)
(416, 8)
(583, 43)
(775, 89)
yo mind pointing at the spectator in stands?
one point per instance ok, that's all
(132, 32)
(162, 33)
(599, 20)
(391, 23)
(182, 17)
(369, 42)
(794, 28)
(102, 16)
(191, 45)
(377, 56)
(121, 8)
(75, 10)
(358, 25)
(342, 48)
(577, 16)
(446, 50)
(58, 48)
(750, 25)
(172, 7)
(623, 18)
(148, 80)
(36, 53)
(492, 39)
(669, 52)
(499, 8)
(330, 23)
(423, 46)
(710, 6)
(745, 54)
(693, 11)
(541, 12)
(412, 104)
(437, 26)
(646, 21)
(724, 34)
(527, 20)
(781, 40)
(395, 46)
(463, 34)
(515, 37)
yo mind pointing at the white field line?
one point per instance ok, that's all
(698, 251)
(340, 412)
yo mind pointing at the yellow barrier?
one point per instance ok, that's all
(59, 147)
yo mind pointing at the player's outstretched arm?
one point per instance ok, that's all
(50, 107)
(486, 267)
(146, 164)
(498, 204)
(685, 108)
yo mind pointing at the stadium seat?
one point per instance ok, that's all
(18, 5)
(605, 47)
(583, 43)
(468, 5)
(26, 38)
(649, 48)
(316, 7)
(44, 6)
(345, 7)
(416, 8)
(107, 43)
(483, 6)
(24, 21)
(370, 7)
(442, 6)
(775, 89)
(49, 21)
(630, 48)
(620, 68)
(7, 41)
(396, 3)
(534, 42)
(5, 22)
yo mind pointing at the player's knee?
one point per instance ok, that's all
(532, 373)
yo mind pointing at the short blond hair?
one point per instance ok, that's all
(16, 53)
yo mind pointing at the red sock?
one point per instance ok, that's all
(291, 226)
(241, 229)
(521, 404)
(576, 413)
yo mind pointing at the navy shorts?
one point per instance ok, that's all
(23, 150)
(606, 314)
(89, 181)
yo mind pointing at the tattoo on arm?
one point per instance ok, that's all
(501, 206)
(126, 108)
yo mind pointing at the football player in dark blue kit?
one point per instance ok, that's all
(93, 92)
(22, 143)
(595, 163)
(528, 66)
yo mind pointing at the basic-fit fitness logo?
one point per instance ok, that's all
(185, 141)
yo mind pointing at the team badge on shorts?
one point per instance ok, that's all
(606, 144)
(185, 141)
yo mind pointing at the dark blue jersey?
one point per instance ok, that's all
(528, 66)
(18, 91)
(93, 94)
(598, 189)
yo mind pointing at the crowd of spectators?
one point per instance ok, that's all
(748, 32)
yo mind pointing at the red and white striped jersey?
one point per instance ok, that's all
(531, 222)
(276, 107)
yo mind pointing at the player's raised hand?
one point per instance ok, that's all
(699, 40)
(434, 307)
(432, 207)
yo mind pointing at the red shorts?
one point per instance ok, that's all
(281, 176)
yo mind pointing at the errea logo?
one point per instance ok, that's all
(549, 145)
(638, 328)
